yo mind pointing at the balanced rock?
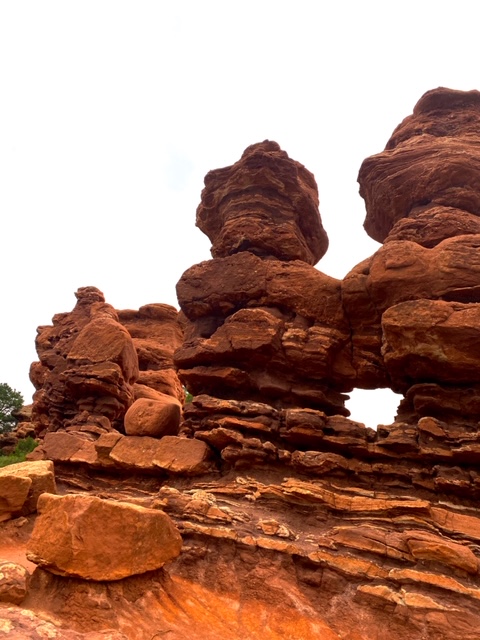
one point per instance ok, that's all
(154, 417)
(265, 203)
(431, 160)
(133, 540)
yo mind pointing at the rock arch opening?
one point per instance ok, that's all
(373, 407)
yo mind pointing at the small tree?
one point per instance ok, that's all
(10, 401)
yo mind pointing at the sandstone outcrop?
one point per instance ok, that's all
(87, 368)
(296, 521)
(133, 539)
(156, 334)
(265, 203)
(22, 484)
(260, 321)
(421, 195)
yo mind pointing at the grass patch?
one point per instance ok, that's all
(23, 447)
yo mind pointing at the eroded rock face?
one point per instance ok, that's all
(22, 484)
(297, 521)
(265, 203)
(261, 323)
(423, 285)
(88, 365)
(96, 539)
(156, 334)
(431, 160)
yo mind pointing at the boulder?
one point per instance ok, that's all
(13, 582)
(265, 203)
(153, 417)
(133, 540)
(21, 485)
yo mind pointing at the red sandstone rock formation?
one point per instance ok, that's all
(261, 322)
(87, 368)
(265, 203)
(156, 334)
(296, 521)
(422, 200)
(133, 539)
(96, 362)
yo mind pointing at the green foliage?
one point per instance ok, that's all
(19, 455)
(10, 401)
(188, 396)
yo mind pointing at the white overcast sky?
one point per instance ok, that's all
(112, 112)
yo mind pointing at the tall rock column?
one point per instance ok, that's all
(422, 195)
(261, 323)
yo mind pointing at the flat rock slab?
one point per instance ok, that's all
(94, 539)
(183, 455)
(136, 452)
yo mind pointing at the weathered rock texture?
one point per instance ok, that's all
(422, 197)
(156, 334)
(87, 368)
(265, 203)
(13, 582)
(296, 521)
(94, 539)
(22, 484)
(95, 362)
(260, 321)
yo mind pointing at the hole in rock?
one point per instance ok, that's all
(373, 407)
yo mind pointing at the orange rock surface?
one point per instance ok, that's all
(296, 521)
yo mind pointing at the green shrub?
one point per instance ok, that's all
(10, 400)
(20, 453)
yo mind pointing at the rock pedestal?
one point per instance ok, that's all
(260, 322)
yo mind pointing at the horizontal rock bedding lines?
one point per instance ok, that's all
(275, 492)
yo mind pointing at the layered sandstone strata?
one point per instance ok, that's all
(96, 362)
(423, 201)
(261, 322)
(265, 203)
